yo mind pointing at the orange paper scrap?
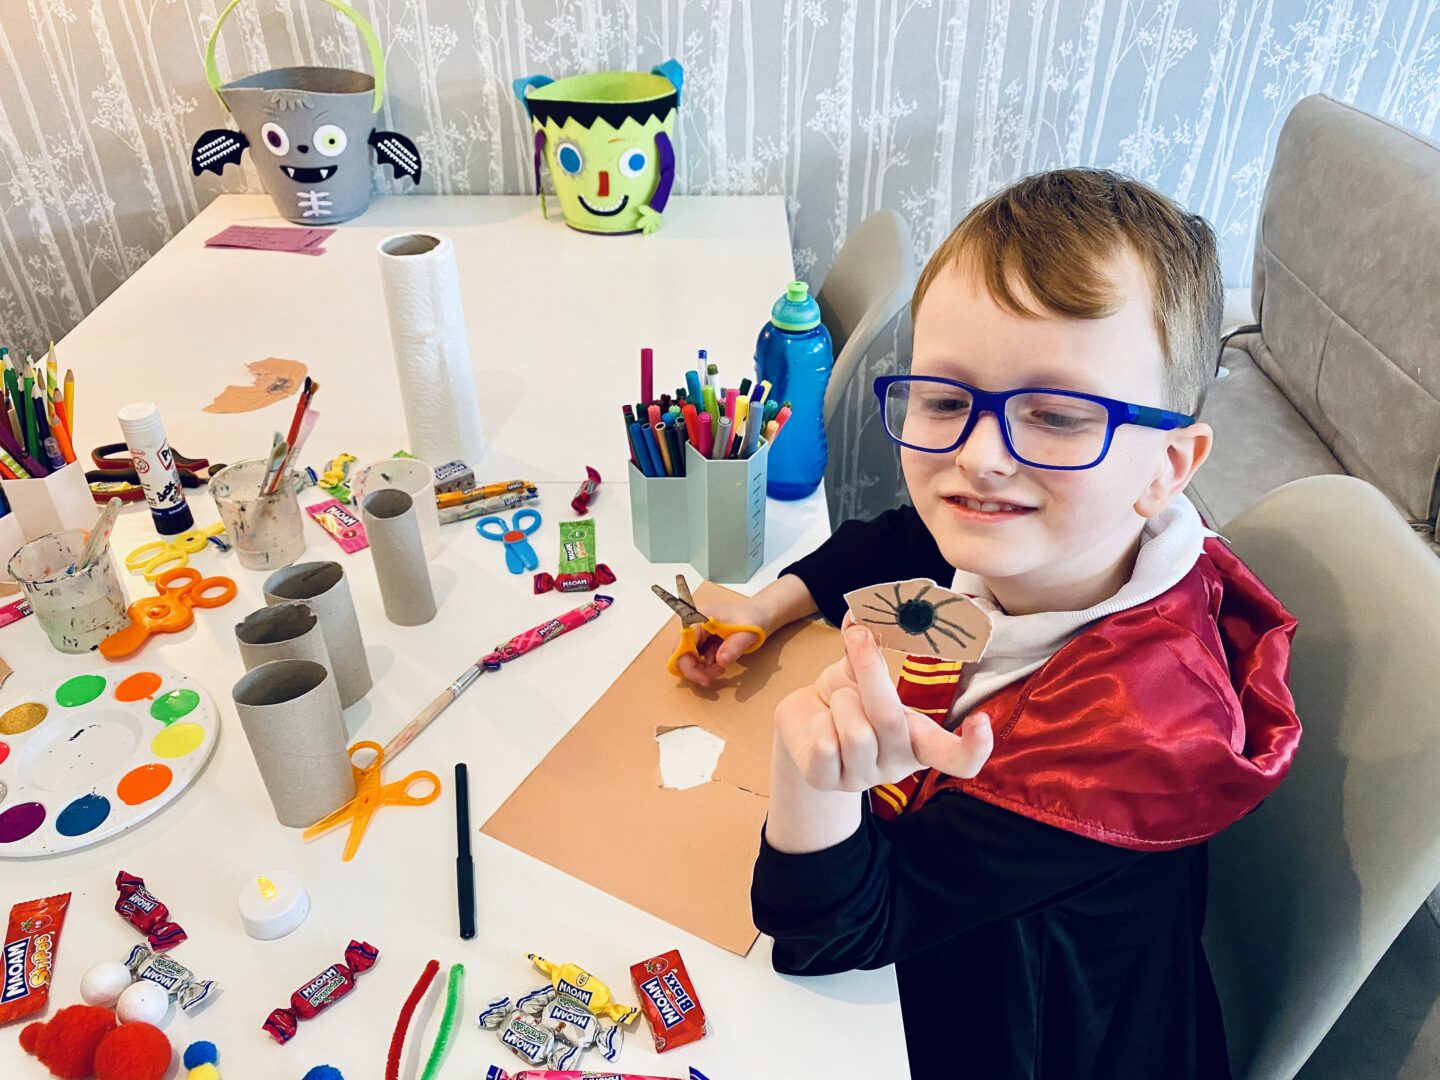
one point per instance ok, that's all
(275, 379)
(691, 853)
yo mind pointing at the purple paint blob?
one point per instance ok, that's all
(83, 815)
(20, 821)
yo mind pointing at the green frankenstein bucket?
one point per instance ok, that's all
(310, 131)
(608, 139)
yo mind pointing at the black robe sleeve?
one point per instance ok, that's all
(892, 547)
(895, 889)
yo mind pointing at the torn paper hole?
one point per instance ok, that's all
(688, 756)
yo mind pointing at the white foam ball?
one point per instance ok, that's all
(143, 1001)
(104, 983)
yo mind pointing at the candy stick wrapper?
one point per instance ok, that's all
(537, 636)
(497, 1073)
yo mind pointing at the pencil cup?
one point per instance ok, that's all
(288, 631)
(52, 504)
(11, 537)
(394, 532)
(266, 530)
(322, 585)
(77, 610)
(657, 516)
(726, 502)
(416, 479)
(290, 711)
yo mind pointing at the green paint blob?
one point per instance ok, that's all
(80, 690)
(170, 707)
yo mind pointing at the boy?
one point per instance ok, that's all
(1044, 911)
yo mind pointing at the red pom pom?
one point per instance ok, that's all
(135, 1051)
(66, 1043)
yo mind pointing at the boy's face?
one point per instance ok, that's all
(1053, 532)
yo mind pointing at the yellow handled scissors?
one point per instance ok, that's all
(158, 556)
(370, 795)
(693, 621)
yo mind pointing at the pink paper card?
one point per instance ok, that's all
(269, 238)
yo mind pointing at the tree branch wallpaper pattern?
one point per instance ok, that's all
(843, 106)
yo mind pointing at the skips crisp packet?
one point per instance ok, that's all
(30, 943)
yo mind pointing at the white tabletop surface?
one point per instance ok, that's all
(555, 322)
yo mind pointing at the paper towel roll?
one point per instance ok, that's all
(432, 354)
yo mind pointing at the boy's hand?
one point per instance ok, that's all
(850, 731)
(716, 654)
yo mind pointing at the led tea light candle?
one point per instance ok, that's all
(271, 907)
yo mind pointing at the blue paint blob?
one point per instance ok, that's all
(84, 814)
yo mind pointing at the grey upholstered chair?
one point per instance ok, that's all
(863, 302)
(1308, 892)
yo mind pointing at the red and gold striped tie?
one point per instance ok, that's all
(928, 686)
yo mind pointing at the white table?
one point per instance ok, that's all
(555, 320)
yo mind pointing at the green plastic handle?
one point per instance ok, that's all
(377, 57)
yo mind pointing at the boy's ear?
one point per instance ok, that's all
(1185, 451)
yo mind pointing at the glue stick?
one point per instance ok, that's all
(155, 465)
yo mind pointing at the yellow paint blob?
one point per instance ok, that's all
(177, 740)
(22, 718)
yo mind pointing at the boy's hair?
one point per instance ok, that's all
(1054, 235)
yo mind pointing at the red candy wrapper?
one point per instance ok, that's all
(139, 907)
(30, 943)
(588, 489)
(321, 992)
(667, 998)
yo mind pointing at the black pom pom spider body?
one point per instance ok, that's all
(919, 617)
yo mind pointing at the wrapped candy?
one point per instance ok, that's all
(30, 943)
(579, 986)
(178, 981)
(668, 999)
(139, 907)
(324, 990)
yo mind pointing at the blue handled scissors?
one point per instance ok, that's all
(519, 555)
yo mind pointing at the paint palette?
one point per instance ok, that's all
(98, 754)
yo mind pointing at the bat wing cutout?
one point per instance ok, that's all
(395, 150)
(217, 148)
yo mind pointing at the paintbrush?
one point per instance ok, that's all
(99, 535)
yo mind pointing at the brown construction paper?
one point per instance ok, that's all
(275, 379)
(958, 628)
(5, 671)
(691, 853)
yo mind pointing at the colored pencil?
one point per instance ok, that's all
(27, 408)
(70, 400)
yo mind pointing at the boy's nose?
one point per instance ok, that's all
(984, 452)
(604, 183)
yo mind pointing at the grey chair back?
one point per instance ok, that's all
(1308, 892)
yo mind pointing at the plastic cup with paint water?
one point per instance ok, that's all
(77, 609)
(267, 531)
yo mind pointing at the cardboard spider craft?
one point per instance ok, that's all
(919, 617)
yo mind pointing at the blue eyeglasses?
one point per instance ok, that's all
(1046, 429)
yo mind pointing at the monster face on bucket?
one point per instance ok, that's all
(608, 141)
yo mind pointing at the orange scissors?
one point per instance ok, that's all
(693, 621)
(370, 795)
(181, 591)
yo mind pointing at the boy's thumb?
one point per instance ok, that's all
(961, 755)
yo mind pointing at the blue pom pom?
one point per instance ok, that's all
(323, 1072)
(200, 1053)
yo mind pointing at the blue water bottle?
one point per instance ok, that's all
(793, 352)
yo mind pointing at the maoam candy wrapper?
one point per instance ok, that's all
(494, 1072)
(139, 907)
(574, 982)
(30, 943)
(322, 991)
(178, 981)
(581, 1028)
(667, 997)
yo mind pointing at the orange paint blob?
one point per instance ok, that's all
(142, 684)
(143, 784)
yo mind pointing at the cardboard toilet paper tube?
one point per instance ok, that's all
(394, 533)
(290, 711)
(322, 585)
(288, 631)
(414, 477)
(432, 350)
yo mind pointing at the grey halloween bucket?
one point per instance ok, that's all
(309, 131)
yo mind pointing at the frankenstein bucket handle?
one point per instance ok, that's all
(377, 56)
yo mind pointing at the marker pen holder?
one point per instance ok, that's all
(77, 610)
(52, 504)
(726, 505)
(658, 520)
(267, 531)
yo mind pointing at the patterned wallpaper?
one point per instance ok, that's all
(844, 106)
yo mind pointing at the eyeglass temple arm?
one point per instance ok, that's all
(1164, 419)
